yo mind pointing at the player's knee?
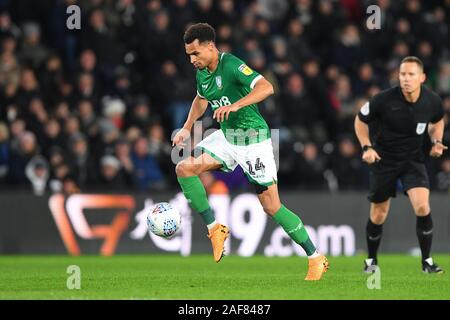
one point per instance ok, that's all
(422, 209)
(271, 209)
(184, 170)
(378, 219)
(379, 215)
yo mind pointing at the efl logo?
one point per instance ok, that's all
(69, 213)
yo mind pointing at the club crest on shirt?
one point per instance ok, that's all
(245, 69)
(421, 127)
(219, 82)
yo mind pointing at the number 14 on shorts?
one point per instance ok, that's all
(259, 166)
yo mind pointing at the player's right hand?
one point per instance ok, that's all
(371, 156)
(181, 137)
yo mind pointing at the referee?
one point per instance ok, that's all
(399, 118)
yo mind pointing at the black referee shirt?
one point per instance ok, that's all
(397, 126)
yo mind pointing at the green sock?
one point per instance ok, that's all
(294, 227)
(196, 196)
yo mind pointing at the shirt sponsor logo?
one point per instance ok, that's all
(223, 101)
(245, 69)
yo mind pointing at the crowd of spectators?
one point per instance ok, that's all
(95, 107)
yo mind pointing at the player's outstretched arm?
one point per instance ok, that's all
(436, 132)
(198, 108)
(261, 91)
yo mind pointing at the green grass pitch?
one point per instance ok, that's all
(198, 277)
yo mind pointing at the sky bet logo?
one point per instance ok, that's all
(70, 219)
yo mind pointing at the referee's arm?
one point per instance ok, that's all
(362, 132)
(436, 132)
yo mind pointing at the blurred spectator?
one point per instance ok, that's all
(83, 165)
(58, 168)
(329, 16)
(71, 127)
(19, 159)
(182, 14)
(161, 150)
(438, 30)
(18, 127)
(140, 115)
(298, 47)
(100, 37)
(36, 117)
(443, 79)
(300, 114)
(62, 111)
(37, 172)
(32, 53)
(159, 147)
(343, 96)
(309, 168)
(29, 88)
(349, 51)
(53, 136)
(272, 10)
(51, 78)
(69, 186)
(88, 118)
(7, 27)
(122, 152)
(4, 151)
(9, 66)
(203, 11)
(426, 53)
(403, 32)
(364, 79)
(86, 88)
(178, 93)
(88, 62)
(114, 110)
(148, 174)
(316, 86)
(347, 165)
(226, 12)
(111, 175)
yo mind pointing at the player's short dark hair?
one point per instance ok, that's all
(414, 60)
(201, 31)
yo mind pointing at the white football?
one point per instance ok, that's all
(163, 220)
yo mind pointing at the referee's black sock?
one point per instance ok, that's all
(373, 236)
(424, 229)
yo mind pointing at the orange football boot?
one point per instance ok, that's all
(218, 234)
(317, 267)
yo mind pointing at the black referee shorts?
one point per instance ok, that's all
(384, 175)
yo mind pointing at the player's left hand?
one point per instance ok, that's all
(437, 150)
(222, 113)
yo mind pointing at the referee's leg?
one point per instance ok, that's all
(374, 229)
(383, 177)
(419, 198)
